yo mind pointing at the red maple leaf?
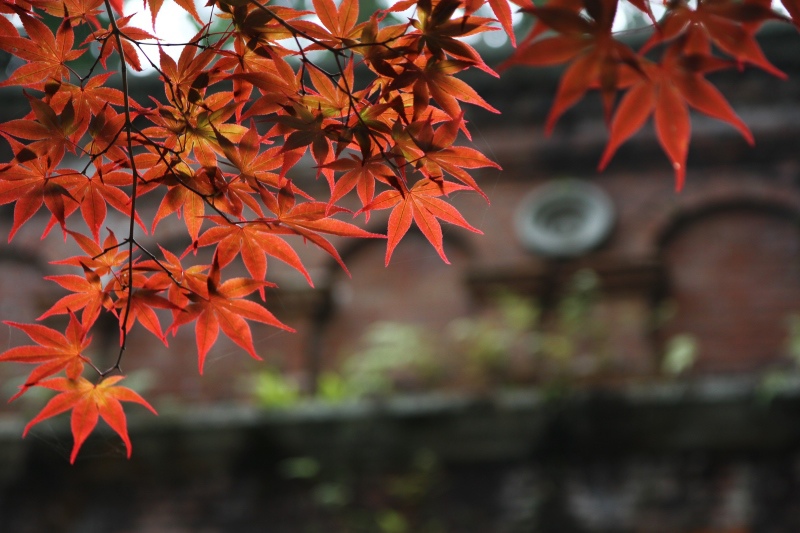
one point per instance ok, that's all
(222, 306)
(53, 351)
(190, 127)
(89, 403)
(106, 140)
(253, 242)
(341, 22)
(169, 273)
(95, 194)
(666, 91)
(502, 10)
(584, 38)
(433, 153)
(46, 55)
(143, 301)
(309, 220)
(53, 133)
(33, 183)
(253, 167)
(186, 5)
(730, 26)
(109, 43)
(421, 205)
(360, 174)
(90, 98)
(87, 293)
(186, 195)
(102, 260)
(436, 80)
(441, 33)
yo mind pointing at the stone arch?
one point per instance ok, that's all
(689, 207)
(733, 277)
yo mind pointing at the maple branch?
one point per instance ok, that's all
(95, 64)
(161, 151)
(135, 179)
(160, 265)
(109, 248)
(94, 367)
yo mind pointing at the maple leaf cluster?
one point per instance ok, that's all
(374, 100)
(664, 77)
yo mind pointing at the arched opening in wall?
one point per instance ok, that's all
(417, 289)
(734, 280)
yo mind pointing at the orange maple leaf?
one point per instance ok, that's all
(420, 204)
(46, 55)
(89, 402)
(223, 306)
(340, 22)
(433, 152)
(666, 91)
(584, 39)
(86, 292)
(52, 352)
(253, 242)
(309, 220)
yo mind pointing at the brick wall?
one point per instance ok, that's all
(724, 251)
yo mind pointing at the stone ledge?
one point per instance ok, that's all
(714, 415)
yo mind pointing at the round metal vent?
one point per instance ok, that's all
(564, 218)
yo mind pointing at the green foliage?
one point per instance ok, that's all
(385, 500)
(299, 468)
(513, 343)
(680, 354)
(391, 521)
(332, 388)
(392, 356)
(781, 379)
(273, 389)
(793, 341)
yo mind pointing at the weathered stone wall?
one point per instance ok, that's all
(705, 457)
